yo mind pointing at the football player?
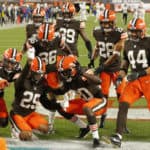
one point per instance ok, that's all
(38, 18)
(136, 56)
(30, 88)
(90, 102)
(71, 28)
(9, 71)
(110, 40)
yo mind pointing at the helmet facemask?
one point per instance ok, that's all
(67, 68)
(135, 35)
(69, 74)
(10, 65)
(107, 26)
(36, 77)
(11, 59)
(38, 20)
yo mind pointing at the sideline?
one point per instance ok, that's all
(71, 145)
(11, 26)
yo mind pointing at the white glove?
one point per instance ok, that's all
(31, 53)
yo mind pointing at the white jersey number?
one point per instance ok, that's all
(30, 101)
(68, 34)
(48, 57)
(105, 49)
(85, 93)
(141, 59)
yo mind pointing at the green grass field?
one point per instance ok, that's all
(65, 130)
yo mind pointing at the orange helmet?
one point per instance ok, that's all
(68, 8)
(11, 59)
(46, 32)
(38, 15)
(38, 66)
(136, 28)
(39, 12)
(107, 20)
(12, 55)
(67, 67)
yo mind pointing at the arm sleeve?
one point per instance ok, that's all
(24, 73)
(49, 104)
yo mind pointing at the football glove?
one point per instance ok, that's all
(118, 81)
(91, 64)
(32, 40)
(79, 68)
(135, 75)
(31, 53)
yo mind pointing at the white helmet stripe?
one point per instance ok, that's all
(39, 63)
(46, 31)
(66, 8)
(14, 53)
(133, 23)
(106, 13)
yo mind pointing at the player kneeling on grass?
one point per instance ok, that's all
(90, 102)
(9, 71)
(30, 88)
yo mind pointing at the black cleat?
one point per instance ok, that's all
(83, 132)
(102, 121)
(116, 140)
(96, 143)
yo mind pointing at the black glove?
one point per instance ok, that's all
(32, 40)
(118, 81)
(79, 68)
(99, 69)
(135, 75)
(91, 64)
(89, 54)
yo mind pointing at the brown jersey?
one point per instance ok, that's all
(31, 29)
(49, 52)
(85, 88)
(28, 94)
(137, 54)
(8, 76)
(105, 45)
(70, 29)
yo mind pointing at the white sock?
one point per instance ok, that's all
(79, 122)
(94, 130)
(51, 117)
